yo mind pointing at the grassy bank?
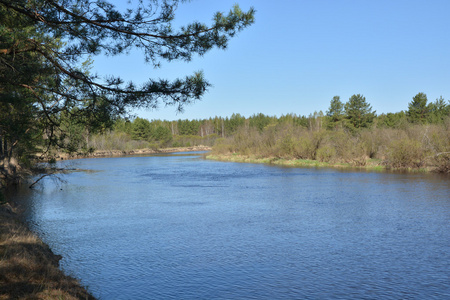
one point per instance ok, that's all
(371, 165)
(28, 268)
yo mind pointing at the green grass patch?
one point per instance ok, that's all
(372, 164)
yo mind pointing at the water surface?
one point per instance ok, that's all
(181, 227)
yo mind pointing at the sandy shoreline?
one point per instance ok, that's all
(118, 153)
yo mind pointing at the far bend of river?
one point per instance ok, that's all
(180, 227)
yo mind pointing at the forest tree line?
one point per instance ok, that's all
(348, 132)
(353, 115)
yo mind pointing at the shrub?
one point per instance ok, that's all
(286, 147)
(305, 148)
(371, 141)
(325, 154)
(343, 144)
(441, 162)
(222, 146)
(406, 153)
(438, 141)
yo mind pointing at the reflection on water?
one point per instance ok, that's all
(180, 227)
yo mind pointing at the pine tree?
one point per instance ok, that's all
(335, 113)
(418, 109)
(358, 112)
(438, 110)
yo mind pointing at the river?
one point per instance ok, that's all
(177, 226)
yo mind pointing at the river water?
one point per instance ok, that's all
(181, 227)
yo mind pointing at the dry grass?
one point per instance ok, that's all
(28, 268)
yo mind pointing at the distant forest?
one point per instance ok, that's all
(348, 132)
(353, 116)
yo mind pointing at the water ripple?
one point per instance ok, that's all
(175, 227)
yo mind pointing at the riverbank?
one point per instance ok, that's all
(28, 267)
(368, 165)
(118, 153)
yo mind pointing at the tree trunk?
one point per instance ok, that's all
(5, 147)
(223, 129)
(1, 147)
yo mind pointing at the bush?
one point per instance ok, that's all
(326, 154)
(287, 147)
(222, 146)
(304, 148)
(371, 141)
(343, 144)
(441, 162)
(406, 153)
(438, 141)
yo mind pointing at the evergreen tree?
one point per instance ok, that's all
(438, 111)
(232, 124)
(358, 112)
(162, 134)
(259, 121)
(335, 113)
(392, 120)
(142, 129)
(123, 125)
(418, 109)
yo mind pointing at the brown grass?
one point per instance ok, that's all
(28, 268)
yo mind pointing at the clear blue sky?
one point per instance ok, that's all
(299, 54)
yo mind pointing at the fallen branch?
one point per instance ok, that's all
(437, 154)
(442, 153)
(43, 176)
